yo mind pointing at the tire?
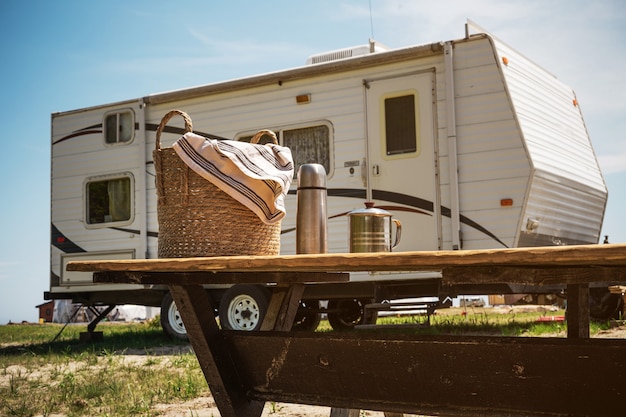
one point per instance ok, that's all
(171, 322)
(345, 314)
(603, 305)
(243, 307)
(307, 321)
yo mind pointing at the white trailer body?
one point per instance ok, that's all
(468, 143)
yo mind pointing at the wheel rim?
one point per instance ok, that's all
(174, 319)
(243, 313)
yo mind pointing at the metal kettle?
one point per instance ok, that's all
(370, 229)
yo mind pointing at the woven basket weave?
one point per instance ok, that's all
(196, 218)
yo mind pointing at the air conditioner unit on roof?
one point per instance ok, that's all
(354, 51)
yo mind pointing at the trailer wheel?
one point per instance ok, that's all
(243, 307)
(604, 305)
(345, 314)
(171, 322)
(308, 317)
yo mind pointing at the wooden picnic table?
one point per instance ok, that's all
(395, 371)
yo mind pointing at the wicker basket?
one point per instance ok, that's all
(198, 219)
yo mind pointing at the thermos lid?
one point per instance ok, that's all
(311, 176)
(370, 210)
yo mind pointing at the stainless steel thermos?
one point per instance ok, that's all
(311, 223)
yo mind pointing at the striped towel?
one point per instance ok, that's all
(258, 176)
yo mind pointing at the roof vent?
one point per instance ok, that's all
(355, 51)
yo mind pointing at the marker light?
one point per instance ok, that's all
(506, 202)
(303, 98)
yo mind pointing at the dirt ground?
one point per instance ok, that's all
(205, 406)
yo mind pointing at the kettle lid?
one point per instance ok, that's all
(369, 210)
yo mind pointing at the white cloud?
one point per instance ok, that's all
(613, 163)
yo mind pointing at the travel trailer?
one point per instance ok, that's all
(468, 143)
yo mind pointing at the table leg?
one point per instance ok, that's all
(209, 346)
(578, 311)
(283, 307)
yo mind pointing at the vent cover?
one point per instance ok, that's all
(346, 53)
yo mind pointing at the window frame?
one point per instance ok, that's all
(118, 113)
(102, 178)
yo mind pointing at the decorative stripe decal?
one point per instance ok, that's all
(89, 130)
(134, 231)
(420, 206)
(428, 206)
(151, 127)
(62, 243)
(120, 229)
(404, 199)
(66, 245)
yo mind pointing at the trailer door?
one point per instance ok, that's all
(401, 155)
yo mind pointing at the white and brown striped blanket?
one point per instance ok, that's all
(258, 176)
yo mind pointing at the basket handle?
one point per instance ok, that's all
(261, 133)
(166, 118)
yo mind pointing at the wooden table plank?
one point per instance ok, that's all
(531, 274)
(220, 277)
(394, 373)
(435, 375)
(583, 256)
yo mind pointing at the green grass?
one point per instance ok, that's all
(39, 376)
(481, 321)
(488, 322)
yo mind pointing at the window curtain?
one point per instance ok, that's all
(119, 199)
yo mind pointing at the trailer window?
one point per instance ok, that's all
(119, 127)
(400, 124)
(308, 144)
(108, 200)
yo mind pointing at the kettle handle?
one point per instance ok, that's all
(398, 232)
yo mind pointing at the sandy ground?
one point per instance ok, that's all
(205, 406)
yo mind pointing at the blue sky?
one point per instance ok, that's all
(64, 55)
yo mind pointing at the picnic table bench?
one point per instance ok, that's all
(392, 370)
